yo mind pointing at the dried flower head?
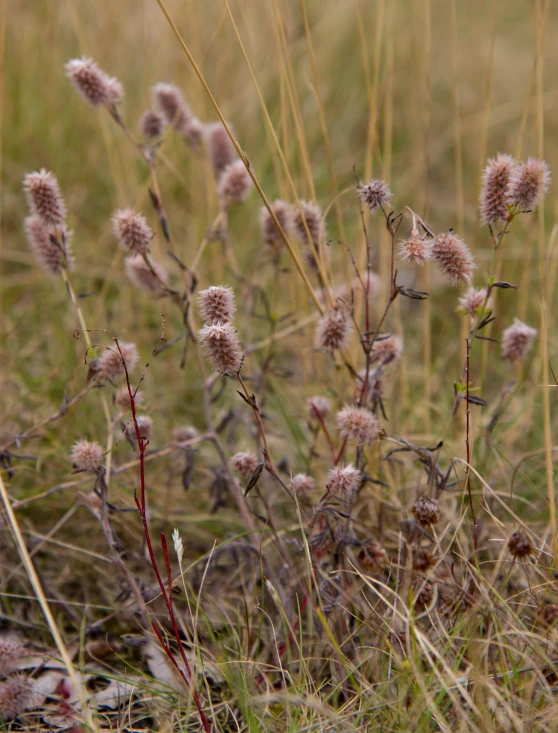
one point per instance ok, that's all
(152, 124)
(222, 345)
(220, 149)
(234, 184)
(217, 304)
(358, 425)
(320, 404)
(184, 433)
(374, 390)
(374, 194)
(44, 198)
(193, 132)
(109, 367)
(472, 300)
(86, 456)
(49, 255)
(494, 189)
(307, 222)
(343, 480)
(548, 614)
(245, 463)
(422, 559)
(132, 231)
(423, 590)
(96, 86)
(386, 350)
(453, 257)
(416, 249)
(122, 398)
(168, 100)
(145, 427)
(333, 329)
(12, 649)
(283, 213)
(517, 340)
(16, 696)
(529, 182)
(302, 483)
(139, 272)
(373, 556)
(426, 510)
(519, 544)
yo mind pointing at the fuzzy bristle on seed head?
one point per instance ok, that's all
(152, 124)
(373, 556)
(453, 257)
(109, 367)
(374, 194)
(343, 480)
(145, 427)
(472, 300)
(132, 231)
(222, 346)
(416, 249)
(374, 390)
(234, 184)
(48, 255)
(12, 649)
(168, 100)
(193, 132)
(333, 329)
(245, 463)
(319, 404)
(217, 304)
(519, 544)
(517, 340)
(184, 433)
(94, 85)
(16, 696)
(86, 455)
(122, 398)
(307, 222)
(302, 483)
(142, 275)
(529, 182)
(426, 510)
(44, 198)
(270, 233)
(358, 425)
(494, 190)
(386, 350)
(220, 149)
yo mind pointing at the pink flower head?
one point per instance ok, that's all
(388, 349)
(245, 464)
(222, 346)
(321, 404)
(529, 182)
(94, 85)
(302, 483)
(139, 272)
(453, 257)
(517, 341)
(49, 255)
(494, 190)
(220, 149)
(416, 249)
(168, 100)
(44, 198)
(269, 230)
(132, 231)
(109, 367)
(152, 124)
(358, 425)
(86, 456)
(234, 184)
(374, 194)
(343, 480)
(472, 300)
(307, 222)
(333, 329)
(217, 304)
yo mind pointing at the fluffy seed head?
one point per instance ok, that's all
(132, 231)
(472, 300)
(245, 463)
(44, 198)
(422, 559)
(357, 425)
(234, 184)
(151, 124)
(12, 649)
(321, 404)
(16, 696)
(529, 182)
(517, 340)
(109, 367)
(220, 149)
(519, 544)
(122, 398)
(270, 233)
(373, 556)
(168, 100)
(222, 347)
(86, 455)
(309, 212)
(333, 329)
(141, 275)
(387, 349)
(343, 480)
(94, 85)
(494, 189)
(426, 510)
(184, 433)
(375, 193)
(145, 427)
(453, 257)
(375, 389)
(302, 483)
(416, 249)
(48, 255)
(217, 304)
(193, 132)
